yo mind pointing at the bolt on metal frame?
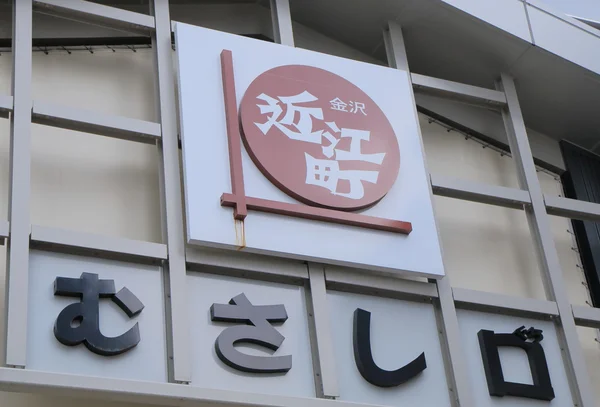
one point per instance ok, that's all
(172, 252)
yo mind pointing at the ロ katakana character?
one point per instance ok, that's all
(367, 367)
(489, 342)
(86, 314)
(257, 330)
(355, 107)
(338, 104)
(327, 173)
(303, 125)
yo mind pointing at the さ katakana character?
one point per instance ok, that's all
(86, 314)
(327, 173)
(367, 367)
(528, 340)
(355, 107)
(257, 330)
(338, 104)
(303, 125)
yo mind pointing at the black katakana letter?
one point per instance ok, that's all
(257, 330)
(528, 340)
(364, 358)
(80, 322)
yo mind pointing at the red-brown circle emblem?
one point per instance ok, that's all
(319, 138)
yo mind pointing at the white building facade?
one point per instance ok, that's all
(97, 180)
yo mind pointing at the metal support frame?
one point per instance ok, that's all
(95, 123)
(572, 208)
(96, 245)
(6, 105)
(17, 258)
(367, 283)
(98, 14)
(539, 223)
(504, 304)
(586, 316)
(282, 22)
(446, 313)
(172, 252)
(325, 371)
(458, 91)
(171, 194)
(478, 192)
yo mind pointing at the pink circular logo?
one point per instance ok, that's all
(319, 138)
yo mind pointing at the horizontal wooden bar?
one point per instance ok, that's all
(69, 118)
(320, 214)
(572, 208)
(365, 282)
(97, 14)
(6, 105)
(456, 90)
(504, 304)
(586, 316)
(52, 239)
(478, 192)
(134, 391)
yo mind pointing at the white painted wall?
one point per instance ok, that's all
(100, 185)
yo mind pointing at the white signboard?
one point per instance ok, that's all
(514, 361)
(98, 336)
(400, 332)
(298, 154)
(214, 368)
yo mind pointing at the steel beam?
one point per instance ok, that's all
(447, 320)
(323, 354)
(97, 14)
(364, 282)
(586, 316)
(164, 394)
(572, 208)
(89, 244)
(504, 304)
(539, 224)
(282, 22)
(4, 231)
(17, 258)
(69, 118)
(171, 197)
(6, 105)
(249, 264)
(458, 91)
(478, 192)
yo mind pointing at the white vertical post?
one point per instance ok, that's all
(327, 376)
(17, 262)
(454, 356)
(282, 22)
(171, 199)
(539, 223)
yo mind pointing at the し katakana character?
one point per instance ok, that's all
(367, 367)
